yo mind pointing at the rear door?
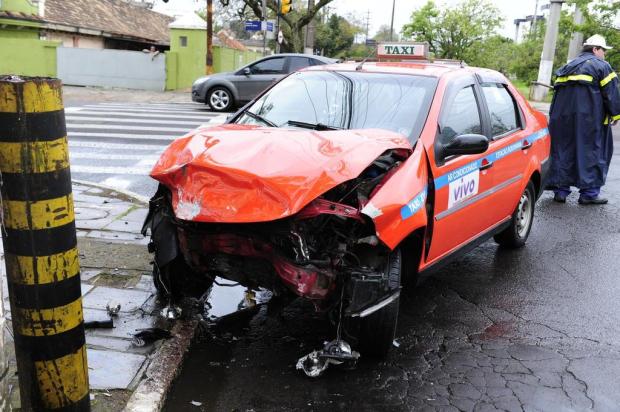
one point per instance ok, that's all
(463, 184)
(510, 146)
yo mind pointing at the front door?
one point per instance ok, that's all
(463, 184)
(262, 74)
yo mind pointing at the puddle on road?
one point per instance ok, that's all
(227, 299)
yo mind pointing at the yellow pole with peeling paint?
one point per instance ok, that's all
(40, 246)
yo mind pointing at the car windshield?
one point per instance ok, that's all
(346, 100)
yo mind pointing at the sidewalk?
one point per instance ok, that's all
(73, 95)
(115, 268)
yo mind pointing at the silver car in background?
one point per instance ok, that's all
(225, 91)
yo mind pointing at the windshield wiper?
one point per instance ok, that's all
(259, 118)
(313, 126)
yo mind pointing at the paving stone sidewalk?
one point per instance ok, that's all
(115, 269)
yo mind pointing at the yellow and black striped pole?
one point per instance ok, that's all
(40, 245)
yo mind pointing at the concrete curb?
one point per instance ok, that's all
(132, 195)
(164, 365)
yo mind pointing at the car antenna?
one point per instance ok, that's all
(359, 66)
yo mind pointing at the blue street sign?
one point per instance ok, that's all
(266, 25)
(253, 25)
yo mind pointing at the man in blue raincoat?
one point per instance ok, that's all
(586, 103)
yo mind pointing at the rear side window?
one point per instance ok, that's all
(502, 108)
(297, 63)
(462, 116)
(270, 66)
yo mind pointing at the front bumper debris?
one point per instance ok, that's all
(336, 352)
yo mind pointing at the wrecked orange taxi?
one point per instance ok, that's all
(341, 182)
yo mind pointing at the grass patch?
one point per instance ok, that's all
(524, 89)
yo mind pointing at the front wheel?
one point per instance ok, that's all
(516, 234)
(176, 280)
(220, 99)
(376, 331)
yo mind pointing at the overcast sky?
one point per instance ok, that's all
(381, 11)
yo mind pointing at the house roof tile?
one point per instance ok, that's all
(116, 17)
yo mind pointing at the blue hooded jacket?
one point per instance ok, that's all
(585, 102)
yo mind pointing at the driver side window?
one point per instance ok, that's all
(462, 116)
(269, 66)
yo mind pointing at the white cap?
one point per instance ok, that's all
(597, 41)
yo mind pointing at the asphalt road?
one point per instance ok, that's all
(529, 330)
(117, 144)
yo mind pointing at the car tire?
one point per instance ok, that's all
(376, 331)
(516, 234)
(177, 280)
(220, 99)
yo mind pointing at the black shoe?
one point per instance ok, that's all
(592, 201)
(560, 198)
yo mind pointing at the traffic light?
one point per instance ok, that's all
(286, 6)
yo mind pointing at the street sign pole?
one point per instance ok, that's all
(264, 26)
(277, 28)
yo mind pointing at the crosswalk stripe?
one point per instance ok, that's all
(184, 104)
(123, 136)
(110, 170)
(122, 127)
(74, 119)
(114, 146)
(78, 114)
(128, 109)
(114, 156)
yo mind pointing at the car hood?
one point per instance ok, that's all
(237, 173)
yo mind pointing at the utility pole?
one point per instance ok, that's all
(209, 37)
(546, 63)
(576, 41)
(309, 49)
(392, 23)
(535, 18)
(367, 23)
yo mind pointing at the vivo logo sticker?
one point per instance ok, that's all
(463, 188)
(415, 204)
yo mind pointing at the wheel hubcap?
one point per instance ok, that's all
(219, 99)
(524, 214)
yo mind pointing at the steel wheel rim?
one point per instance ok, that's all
(524, 214)
(219, 99)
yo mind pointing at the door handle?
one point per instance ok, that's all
(526, 145)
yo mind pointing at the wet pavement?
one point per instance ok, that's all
(115, 270)
(528, 330)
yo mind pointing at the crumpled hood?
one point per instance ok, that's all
(237, 173)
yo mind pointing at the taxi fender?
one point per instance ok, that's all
(534, 170)
(398, 206)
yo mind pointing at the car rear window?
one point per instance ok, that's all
(502, 108)
(350, 100)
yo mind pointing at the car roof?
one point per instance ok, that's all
(312, 56)
(420, 68)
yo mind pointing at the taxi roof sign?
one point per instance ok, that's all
(402, 51)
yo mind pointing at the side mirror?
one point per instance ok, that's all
(247, 71)
(465, 144)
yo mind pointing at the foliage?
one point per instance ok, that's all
(600, 17)
(383, 34)
(293, 23)
(454, 32)
(335, 37)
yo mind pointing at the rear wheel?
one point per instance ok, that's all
(515, 235)
(376, 331)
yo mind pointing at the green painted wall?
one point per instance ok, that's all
(228, 60)
(184, 64)
(28, 57)
(21, 6)
(18, 33)
(190, 58)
